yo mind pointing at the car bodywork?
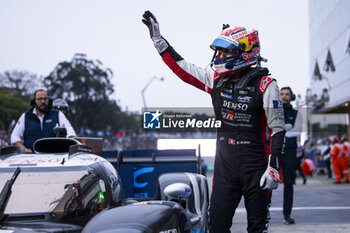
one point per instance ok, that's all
(168, 214)
(57, 191)
(64, 187)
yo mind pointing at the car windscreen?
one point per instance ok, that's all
(51, 190)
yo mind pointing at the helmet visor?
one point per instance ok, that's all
(222, 43)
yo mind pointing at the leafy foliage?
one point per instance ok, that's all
(80, 79)
(16, 89)
(21, 82)
(11, 108)
(85, 85)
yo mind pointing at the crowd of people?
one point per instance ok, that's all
(131, 141)
(328, 156)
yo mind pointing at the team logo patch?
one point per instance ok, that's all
(226, 95)
(278, 109)
(244, 99)
(277, 104)
(264, 82)
(231, 141)
(229, 115)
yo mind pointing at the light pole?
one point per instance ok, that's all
(144, 89)
(308, 116)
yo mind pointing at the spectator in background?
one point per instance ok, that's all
(293, 125)
(311, 152)
(299, 157)
(61, 105)
(345, 158)
(38, 122)
(308, 167)
(326, 150)
(338, 162)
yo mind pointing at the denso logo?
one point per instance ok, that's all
(246, 56)
(31, 161)
(238, 35)
(235, 106)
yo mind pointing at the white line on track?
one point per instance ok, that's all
(242, 210)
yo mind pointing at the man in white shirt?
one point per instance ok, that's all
(38, 122)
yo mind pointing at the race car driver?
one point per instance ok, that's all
(247, 102)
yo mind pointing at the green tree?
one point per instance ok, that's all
(11, 108)
(85, 85)
(128, 122)
(21, 82)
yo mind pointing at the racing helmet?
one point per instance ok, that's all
(60, 104)
(243, 41)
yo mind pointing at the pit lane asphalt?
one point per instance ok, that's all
(319, 206)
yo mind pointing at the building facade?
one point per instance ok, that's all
(329, 26)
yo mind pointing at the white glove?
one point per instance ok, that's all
(151, 22)
(270, 179)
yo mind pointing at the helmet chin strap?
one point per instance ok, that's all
(212, 60)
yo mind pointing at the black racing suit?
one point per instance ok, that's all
(247, 104)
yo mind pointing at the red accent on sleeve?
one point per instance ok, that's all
(264, 83)
(186, 77)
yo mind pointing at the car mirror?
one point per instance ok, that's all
(178, 191)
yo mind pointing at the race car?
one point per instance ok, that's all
(57, 189)
(65, 187)
(180, 206)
